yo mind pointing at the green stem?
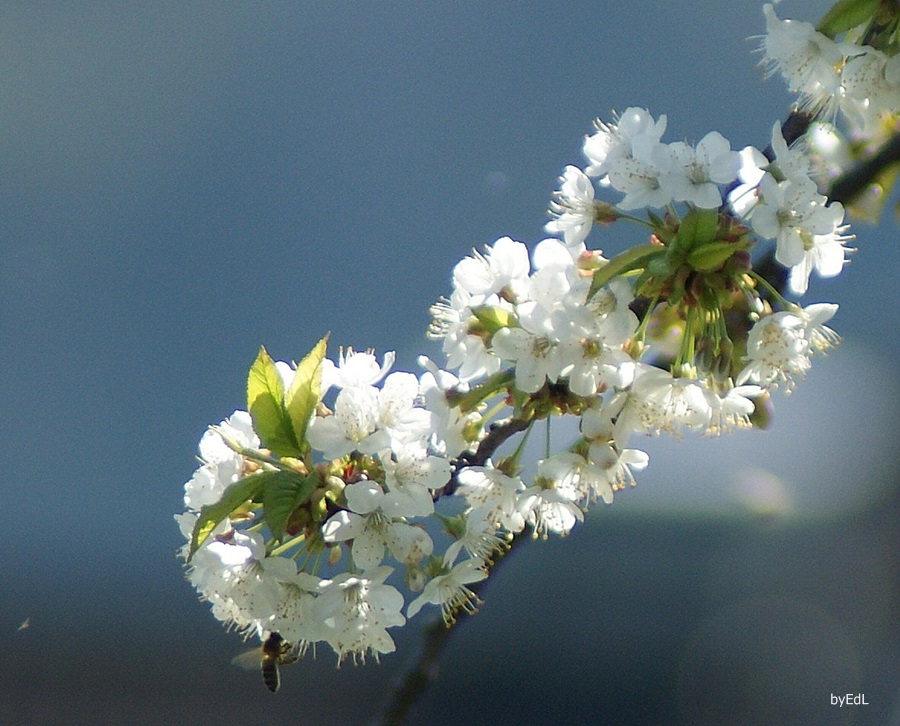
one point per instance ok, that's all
(253, 454)
(493, 385)
(772, 290)
(285, 546)
(642, 327)
(636, 220)
(517, 454)
(626, 261)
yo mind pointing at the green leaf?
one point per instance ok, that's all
(210, 515)
(687, 230)
(283, 492)
(712, 256)
(631, 259)
(265, 402)
(303, 395)
(697, 227)
(846, 14)
(707, 225)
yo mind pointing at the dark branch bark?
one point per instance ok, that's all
(497, 434)
(406, 690)
(409, 687)
(854, 180)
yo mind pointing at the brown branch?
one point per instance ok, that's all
(854, 180)
(407, 689)
(405, 692)
(497, 434)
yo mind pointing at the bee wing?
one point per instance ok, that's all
(250, 660)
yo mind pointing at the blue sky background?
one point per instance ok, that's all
(182, 182)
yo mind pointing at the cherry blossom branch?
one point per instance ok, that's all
(424, 666)
(292, 478)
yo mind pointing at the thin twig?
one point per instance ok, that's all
(408, 688)
(854, 180)
(405, 691)
(497, 434)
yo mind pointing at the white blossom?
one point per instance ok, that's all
(779, 345)
(450, 591)
(657, 402)
(355, 369)
(479, 539)
(807, 59)
(354, 426)
(824, 253)
(697, 172)
(448, 423)
(635, 135)
(485, 487)
(572, 209)
(373, 522)
(355, 612)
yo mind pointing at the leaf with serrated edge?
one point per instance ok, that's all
(303, 395)
(211, 514)
(265, 396)
(283, 492)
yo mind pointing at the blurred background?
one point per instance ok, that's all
(182, 182)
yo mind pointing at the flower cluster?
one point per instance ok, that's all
(858, 75)
(783, 203)
(846, 70)
(344, 482)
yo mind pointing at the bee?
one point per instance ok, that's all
(274, 651)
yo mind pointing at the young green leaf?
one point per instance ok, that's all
(709, 257)
(210, 515)
(283, 492)
(265, 402)
(686, 237)
(303, 395)
(846, 14)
